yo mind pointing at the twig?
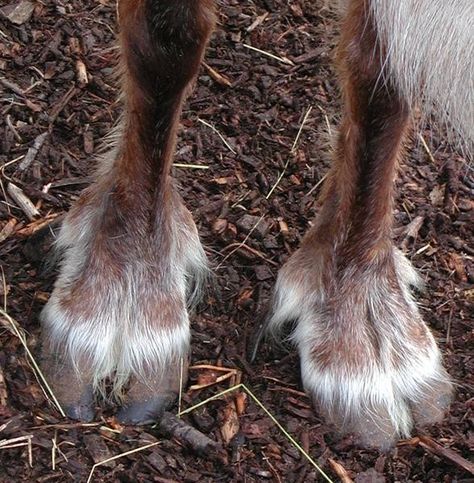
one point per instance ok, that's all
(209, 367)
(63, 102)
(53, 451)
(258, 21)
(433, 447)
(172, 426)
(181, 384)
(219, 78)
(50, 220)
(12, 86)
(13, 129)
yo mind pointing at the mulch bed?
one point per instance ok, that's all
(58, 91)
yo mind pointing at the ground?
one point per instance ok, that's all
(252, 184)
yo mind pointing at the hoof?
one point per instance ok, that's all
(146, 412)
(84, 409)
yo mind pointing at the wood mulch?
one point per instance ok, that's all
(252, 198)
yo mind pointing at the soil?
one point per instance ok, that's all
(57, 78)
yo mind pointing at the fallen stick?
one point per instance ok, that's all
(432, 446)
(173, 427)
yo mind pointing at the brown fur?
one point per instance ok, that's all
(358, 198)
(136, 197)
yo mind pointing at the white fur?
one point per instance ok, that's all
(430, 56)
(374, 388)
(119, 340)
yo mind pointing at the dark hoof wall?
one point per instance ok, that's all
(83, 410)
(145, 412)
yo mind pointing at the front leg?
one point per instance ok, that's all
(367, 358)
(131, 252)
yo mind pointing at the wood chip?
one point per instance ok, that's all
(340, 471)
(230, 426)
(32, 152)
(3, 389)
(98, 450)
(19, 12)
(7, 230)
(82, 75)
(22, 201)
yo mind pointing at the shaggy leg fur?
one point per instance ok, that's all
(367, 358)
(131, 252)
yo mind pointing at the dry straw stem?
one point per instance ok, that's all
(207, 401)
(292, 152)
(426, 148)
(228, 373)
(223, 139)
(119, 456)
(269, 414)
(181, 384)
(18, 331)
(19, 443)
(190, 166)
(240, 245)
(283, 60)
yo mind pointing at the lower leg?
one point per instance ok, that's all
(130, 247)
(367, 358)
